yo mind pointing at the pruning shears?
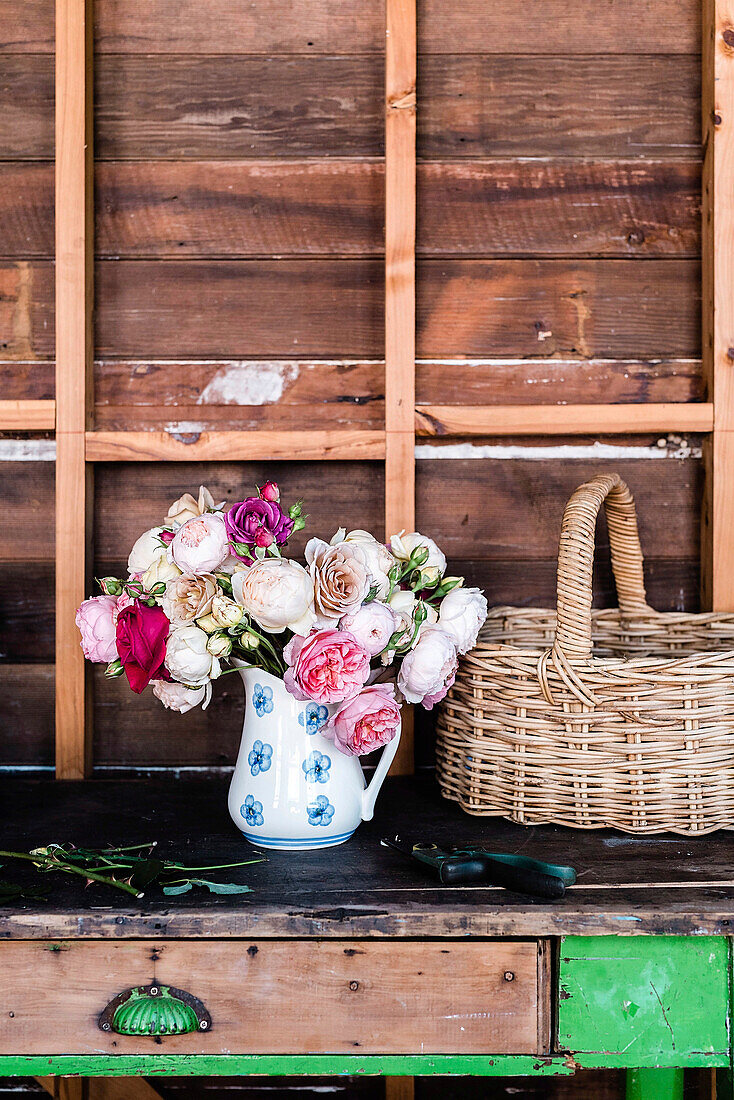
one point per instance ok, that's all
(460, 866)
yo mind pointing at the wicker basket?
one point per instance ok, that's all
(639, 737)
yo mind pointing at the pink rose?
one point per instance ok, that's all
(270, 492)
(429, 670)
(200, 545)
(329, 666)
(373, 624)
(367, 722)
(96, 621)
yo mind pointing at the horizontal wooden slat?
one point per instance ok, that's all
(27, 714)
(177, 209)
(351, 26)
(281, 309)
(471, 106)
(27, 106)
(234, 446)
(241, 107)
(511, 509)
(139, 393)
(562, 419)
(474, 106)
(27, 616)
(552, 208)
(556, 381)
(27, 416)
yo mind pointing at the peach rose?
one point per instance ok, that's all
(188, 597)
(186, 507)
(341, 579)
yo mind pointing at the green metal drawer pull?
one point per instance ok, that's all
(155, 1010)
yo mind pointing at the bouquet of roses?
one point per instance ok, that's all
(362, 625)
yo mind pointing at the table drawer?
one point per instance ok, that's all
(283, 997)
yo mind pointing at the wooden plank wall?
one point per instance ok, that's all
(239, 282)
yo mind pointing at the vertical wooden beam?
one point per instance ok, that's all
(74, 354)
(717, 560)
(400, 123)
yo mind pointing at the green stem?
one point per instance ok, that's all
(47, 863)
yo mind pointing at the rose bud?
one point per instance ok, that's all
(263, 538)
(225, 612)
(270, 491)
(208, 623)
(219, 645)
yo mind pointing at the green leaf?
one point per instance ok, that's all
(146, 873)
(183, 888)
(222, 887)
(11, 891)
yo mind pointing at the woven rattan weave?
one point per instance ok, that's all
(639, 736)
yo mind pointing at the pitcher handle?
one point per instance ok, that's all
(371, 791)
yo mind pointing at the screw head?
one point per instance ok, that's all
(354, 986)
(509, 976)
(203, 1025)
(154, 991)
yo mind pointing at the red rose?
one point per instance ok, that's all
(141, 644)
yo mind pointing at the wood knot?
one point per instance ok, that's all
(404, 101)
(728, 36)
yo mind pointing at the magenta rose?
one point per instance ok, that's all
(96, 621)
(141, 644)
(367, 722)
(257, 522)
(329, 666)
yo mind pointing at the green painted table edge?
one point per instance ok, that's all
(332, 1065)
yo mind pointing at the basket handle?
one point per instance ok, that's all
(576, 560)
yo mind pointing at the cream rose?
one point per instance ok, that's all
(187, 658)
(186, 507)
(188, 597)
(146, 550)
(378, 558)
(341, 579)
(278, 594)
(403, 545)
(160, 570)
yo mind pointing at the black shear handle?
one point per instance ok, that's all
(457, 870)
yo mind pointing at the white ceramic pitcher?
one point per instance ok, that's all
(292, 788)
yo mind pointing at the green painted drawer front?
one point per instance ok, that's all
(646, 997)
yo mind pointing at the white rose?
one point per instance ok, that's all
(462, 612)
(428, 671)
(277, 593)
(146, 550)
(200, 545)
(403, 545)
(160, 569)
(177, 696)
(372, 625)
(403, 604)
(188, 659)
(377, 557)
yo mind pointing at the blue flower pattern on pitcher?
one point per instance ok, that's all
(252, 811)
(320, 812)
(316, 766)
(260, 757)
(313, 718)
(262, 701)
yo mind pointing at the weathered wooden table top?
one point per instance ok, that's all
(626, 885)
